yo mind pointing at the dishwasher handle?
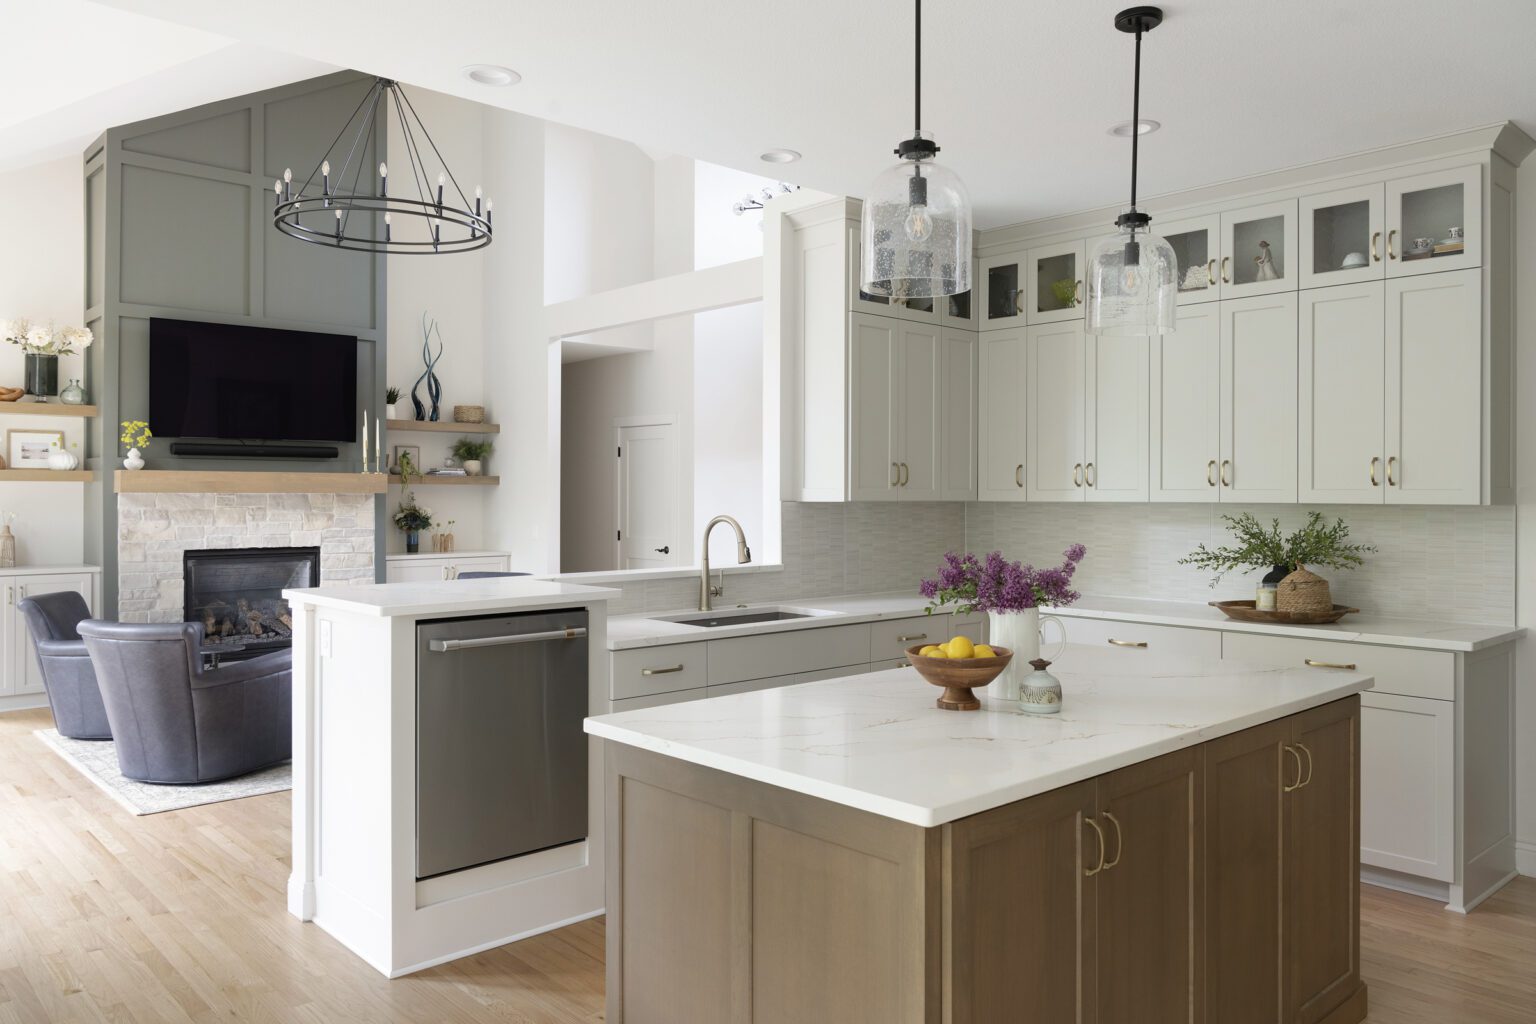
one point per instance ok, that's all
(570, 633)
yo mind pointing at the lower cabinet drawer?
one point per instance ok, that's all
(1408, 785)
(741, 658)
(748, 685)
(650, 670)
(881, 666)
(1400, 670)
(655, 700)
(890, 638)
(1136, 638)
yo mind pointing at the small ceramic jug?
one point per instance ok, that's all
(1040, 691)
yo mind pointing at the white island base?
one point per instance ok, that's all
(354, 780)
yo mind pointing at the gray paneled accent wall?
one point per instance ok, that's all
(178, 224)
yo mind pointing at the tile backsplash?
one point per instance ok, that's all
(1455, 564)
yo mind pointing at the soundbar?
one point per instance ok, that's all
(266, 450)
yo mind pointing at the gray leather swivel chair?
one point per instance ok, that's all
(67, 672)
(174, 721)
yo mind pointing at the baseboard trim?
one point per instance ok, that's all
(1413, 885)
(23, 702)
(1352, 1011)
(493, 943)
(1525, 856)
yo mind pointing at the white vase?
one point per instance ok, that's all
(62, 459)
(394, 410)
(134, 460)
(472, 467)
(1019, 632)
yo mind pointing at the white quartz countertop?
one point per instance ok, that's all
(876, 742)
(629, 631)
(448, 597)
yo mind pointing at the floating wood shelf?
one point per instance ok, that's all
(470, 481)
(174, 481)
(51, 476)
(49, 409)
(443, 426)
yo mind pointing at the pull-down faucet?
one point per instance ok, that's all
(743, 555)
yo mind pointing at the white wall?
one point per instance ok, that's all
(42, 276)
(720, 236)
(1525, 601)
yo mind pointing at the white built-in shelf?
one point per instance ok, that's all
(462, 481)
(176, 481)
(49, 409)
(51, 476)
(443, 426)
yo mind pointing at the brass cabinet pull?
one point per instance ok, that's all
(1375, 459)
(661, 671)
(1391, 470)
(1090, 476)
(1119, 840)
(1391, 237)
(1077, 293)
(1127, 643)
(1300, 782)
(10, 595)
(1375, 237)
(1210, 472)
(1226, 262)
(1018, 475)
(1090, 872)
(1226, 480)
(1346, 666)
(1077, 475)
(906, 474)
(1210, 272)
(1291, 787)
(895, 474)
(910, 637)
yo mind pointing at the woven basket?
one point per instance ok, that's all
(1303, 591)
(469, 414)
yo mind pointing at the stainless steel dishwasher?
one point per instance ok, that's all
(501, 759)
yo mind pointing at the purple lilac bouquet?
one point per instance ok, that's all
(998, 585)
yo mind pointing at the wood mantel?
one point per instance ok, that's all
(172, 481)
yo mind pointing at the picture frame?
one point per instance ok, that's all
(413, 450)
(29, 449)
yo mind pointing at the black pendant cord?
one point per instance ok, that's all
(1135, 117)
(917, 76)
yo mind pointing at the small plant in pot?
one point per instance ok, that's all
(471, 454)
(392, 402)
(412, 519)
(1316, 543)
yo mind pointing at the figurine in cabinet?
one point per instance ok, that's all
(1265, 263)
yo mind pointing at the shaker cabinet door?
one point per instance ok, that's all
(1000, 440)
(1115, 419)
(1342, 365)
(1258, 399)
(957, 411)
(873, 374)
(1185, 415)
(1054, 470)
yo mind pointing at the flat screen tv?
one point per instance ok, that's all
(251, 383)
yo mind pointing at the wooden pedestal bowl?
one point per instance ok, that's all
(959, 676)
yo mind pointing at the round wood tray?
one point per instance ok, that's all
(1244, 611)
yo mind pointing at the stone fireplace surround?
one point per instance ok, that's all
(154, 531)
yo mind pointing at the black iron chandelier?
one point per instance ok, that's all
(343, 213)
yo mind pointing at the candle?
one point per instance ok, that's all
(441, 181)
(365, 440)
(325, 177)
(378, 442)
(386, 228)
(383, 180)
(288, 182)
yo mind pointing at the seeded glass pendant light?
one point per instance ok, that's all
(916, 225)
(1133, 276)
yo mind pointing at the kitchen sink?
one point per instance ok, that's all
(736, 617)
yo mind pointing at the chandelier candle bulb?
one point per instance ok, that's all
(325, 178)
(441, 181)
(387, 228)
(383, 181)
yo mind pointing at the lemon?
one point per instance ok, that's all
(927, 652)
(938, 652)
(985, 651)
(961, 647)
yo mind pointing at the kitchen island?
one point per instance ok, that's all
(445, 799)
(1179, 844)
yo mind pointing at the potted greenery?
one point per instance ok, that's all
(412, 518)
(471, 454)
(391, 402)
(1256, 547)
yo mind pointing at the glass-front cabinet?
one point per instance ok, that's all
(860, 301)
(1054, 289)
(1003, 294)
(960, 310)
(1258, 250)
(1196, 248)
(1341, 236)
(1434, 222)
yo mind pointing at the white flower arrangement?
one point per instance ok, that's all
(46, 340)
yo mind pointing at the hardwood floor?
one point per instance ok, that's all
(181, 917)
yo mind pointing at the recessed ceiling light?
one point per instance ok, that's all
(780, 156)
(491, 74)
(1146, 127)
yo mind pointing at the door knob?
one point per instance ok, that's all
(665, 549)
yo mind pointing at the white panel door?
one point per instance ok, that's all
(1053, 468)
(650, 522)
(1434, 389)
(1115, 419)
(1408, 785)
(1258, 399)
(957, 415)
(1184, 435)
(1341, 353)
(915, 415)
(1000, 439)
(873, 375)
(25, 670)
(11, 671)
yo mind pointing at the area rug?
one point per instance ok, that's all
(97, 761)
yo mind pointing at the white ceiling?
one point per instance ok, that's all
(73, 68)
(1019, 93)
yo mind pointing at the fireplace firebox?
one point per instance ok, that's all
(237, 594)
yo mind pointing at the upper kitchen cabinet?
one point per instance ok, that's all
(895, 380)
(1196, 244)
(859, 301)
(1342, 364)
(1341, 236)
(1004, 296)
(1185, 415)
(956, 470)
(1258, 399)
(1054, 289)
(1001, 431)
(960, 311)
(1434, 222)
(1258, 250)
